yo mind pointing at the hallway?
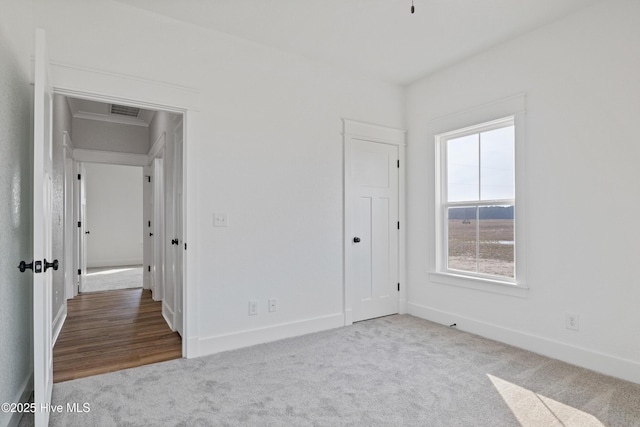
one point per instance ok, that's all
(110, 331)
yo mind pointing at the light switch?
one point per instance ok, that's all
(219, 219)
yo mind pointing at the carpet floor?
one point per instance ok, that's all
(112, 278)
(391, 371)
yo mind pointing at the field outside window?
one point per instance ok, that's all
(478, 200)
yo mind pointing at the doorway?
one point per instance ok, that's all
(104, 140)
(113, 227)
(373, 211)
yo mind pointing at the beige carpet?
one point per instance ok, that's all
(112, 278)
(392, 371)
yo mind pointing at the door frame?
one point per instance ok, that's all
(80, 156)
(355, 130)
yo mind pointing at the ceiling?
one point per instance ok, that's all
(93, 110)
(379, 38)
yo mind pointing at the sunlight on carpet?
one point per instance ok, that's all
(533, 409)
(112, 278)
(111, 271)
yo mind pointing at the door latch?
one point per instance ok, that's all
(174, 241)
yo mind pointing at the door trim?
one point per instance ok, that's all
(189, 344)
(355, 130)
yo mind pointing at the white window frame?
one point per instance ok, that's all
(510, 110)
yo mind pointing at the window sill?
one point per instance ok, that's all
(480, 284)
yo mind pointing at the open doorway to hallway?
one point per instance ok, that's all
(122, 237)
(113, 227)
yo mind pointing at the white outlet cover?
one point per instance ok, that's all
(253, 308)
(220, 219)
(572, 321)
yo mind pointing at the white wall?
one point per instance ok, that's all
(16, 357)
(106, 136)
(265, 147)
(580, 77)
(114, 215)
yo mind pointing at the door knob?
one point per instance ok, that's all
(150, 234)
(53, 265)
(174, 241)
(23, 266)
(87, 232)
(356, 240)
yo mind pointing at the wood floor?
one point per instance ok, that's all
(109, 331)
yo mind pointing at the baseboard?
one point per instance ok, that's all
(58, 322)
(168, 315)
(23, 395)
(600, 362)
(114, 262)
(218, 343)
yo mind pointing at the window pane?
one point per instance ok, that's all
(496, 240)
(462, 239)
(462, 168)
(497, 164)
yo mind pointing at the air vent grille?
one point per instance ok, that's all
(123, 110)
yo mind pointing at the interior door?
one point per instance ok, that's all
(177, 215)
(374, 225)
(83, 232)
(42, 234)
(157, 240)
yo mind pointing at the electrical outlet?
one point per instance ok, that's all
(220, 219)
(572, 321)
(253, 308)
(272, 305)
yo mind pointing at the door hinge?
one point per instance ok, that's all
(398, 225)
(149, 178)
(149, 269)
(185, 246)
(79, 224)
(398, 287)
(149, 223)
(79, 176)
(79, 272)
(398, 163)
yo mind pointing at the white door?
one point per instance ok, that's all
(157, 240)
(373, 242)
(42, 235)
(83, 232)
(179, 235)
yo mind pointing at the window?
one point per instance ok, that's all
(476, 217)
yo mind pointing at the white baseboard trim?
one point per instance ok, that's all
(58, 322)
(219, 343)
(607, 364)
(23, 395)
(192, 348)
(167, 313)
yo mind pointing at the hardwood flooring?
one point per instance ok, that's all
(110, 331)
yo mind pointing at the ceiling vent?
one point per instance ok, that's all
(123, 110)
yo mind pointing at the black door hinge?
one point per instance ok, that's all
(149, 223)
(398, 287)
(398, 225)
(79, 224)
(185, 246)
(149, 269)
(398, 163)
(79, 272)
(149, 178)
(78, 176)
